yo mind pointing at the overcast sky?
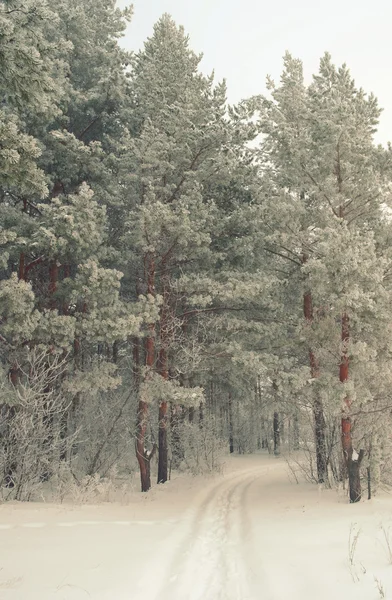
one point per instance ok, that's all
(245, 40)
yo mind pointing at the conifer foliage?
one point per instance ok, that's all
(169, 290)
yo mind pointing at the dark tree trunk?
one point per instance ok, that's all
(53, 280)
(7, 415)
(354, 477)
(201, 415)
(21, 268)
(318, 410)
(276, 434)
(321, 453)
(115, 352)
(143, 456)
(48, 418)
(162, 443)
(352, 466)
(164, 373)
(191, 414)
(231, 427)
(295, 432)
(177, 417)
(22, 256)
(66, 275)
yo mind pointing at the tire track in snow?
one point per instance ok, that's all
(211, 563)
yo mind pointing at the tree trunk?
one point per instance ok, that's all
(354, 477)
(8, 413)
(162, 443)
(164, 373)
(231, 436)
(295, 432)
(352, 465)
(143, 456)
(318, 411)
(53, 280)
(66, 275)
(115, 352)
(22, 256)
(21, 268)
(276, 434)
(201, 415)
(321, 452)
(177, 417)
(48, 418)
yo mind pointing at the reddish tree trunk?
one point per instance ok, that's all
(14, 374)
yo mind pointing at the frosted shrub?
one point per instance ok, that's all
(106, 433)
(32, 431)
(202, 449)
(304, 461)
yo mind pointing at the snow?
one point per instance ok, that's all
(248, 534)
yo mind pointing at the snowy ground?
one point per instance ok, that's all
(251, 534)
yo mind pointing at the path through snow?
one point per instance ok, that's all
(248, 535)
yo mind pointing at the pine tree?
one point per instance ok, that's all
(180, 144)
(323, 164)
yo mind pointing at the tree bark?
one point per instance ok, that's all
(177, 418)
(201, 415)
(295, 432)
(53, 280)
(318, 410)
(163, 369)
(22, 256)
(321, 451)
(162, 435)
(21, 269)
(352, 465)
(276, 434)
(354, 477)
(142, 454)
(231, 425)
(143, 457)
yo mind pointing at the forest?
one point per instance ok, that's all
(181, 278)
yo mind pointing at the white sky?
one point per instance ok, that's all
(245, 40)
